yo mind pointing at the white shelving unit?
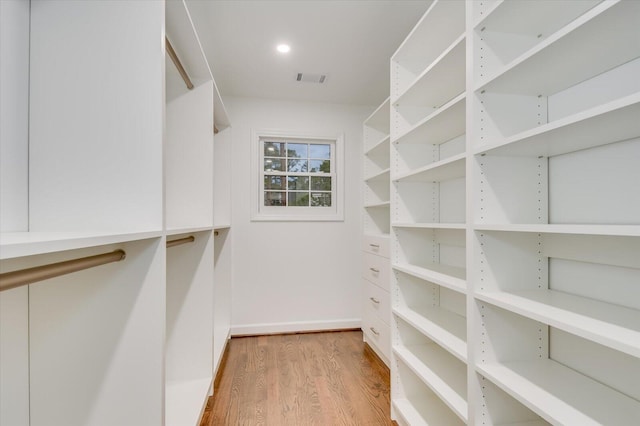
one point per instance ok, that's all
(222, 226)
(376, 311)
(515, 238)
(428, 223)
(121, 157)
(555, 210)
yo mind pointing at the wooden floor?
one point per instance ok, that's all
(300, 379)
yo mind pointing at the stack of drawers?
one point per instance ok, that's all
(376, 312)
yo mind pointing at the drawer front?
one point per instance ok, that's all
(376, 269)
(377, 334)
(376, 245)
(376, 300)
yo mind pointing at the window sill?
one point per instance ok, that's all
(297, 218)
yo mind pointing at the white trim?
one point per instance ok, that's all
(291, 214)
(298, 326)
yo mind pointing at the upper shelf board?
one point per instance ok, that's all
(20, 244)
(379, 119)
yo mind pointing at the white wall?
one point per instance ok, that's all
(14, 115)
(292, 276)
(14, 193)
(96, 123)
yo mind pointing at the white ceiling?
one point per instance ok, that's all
(350, 41)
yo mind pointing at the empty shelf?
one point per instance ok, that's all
(447, 329)
(444, 374)
(447, 276)
(610, 325)
(561, 395)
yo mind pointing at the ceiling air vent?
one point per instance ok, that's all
(311, 78)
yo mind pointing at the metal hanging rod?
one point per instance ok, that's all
(174, 57)
(183, 73)
(179, 241)
(14, 279)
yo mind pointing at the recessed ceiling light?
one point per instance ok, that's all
(283, 48)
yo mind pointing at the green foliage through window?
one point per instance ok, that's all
(297, 174)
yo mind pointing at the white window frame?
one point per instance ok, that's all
(260, 212)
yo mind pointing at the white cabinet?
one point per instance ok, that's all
(121, 157)
(515, 235)
(375, 239)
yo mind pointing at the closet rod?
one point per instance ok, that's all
(179, 241)
(14, 279)
(178, 64)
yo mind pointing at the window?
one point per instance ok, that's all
(297, 177)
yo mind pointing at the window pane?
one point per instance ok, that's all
(298, 182)
(297, 150)
(320, 166)
(275, 198)
(274, 149)
(274, 182)
(321, 199)
(320, 151)
(297, 166)
(320, 183)
(274, 165)
(299, 199)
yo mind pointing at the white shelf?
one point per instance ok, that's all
(379, 119)
(382, 175)
(430, 225)
(376, 179)
(221, 226)
(446, 276)
(447, 169)
(380, 145)
(446, 123)
(185, 401)
(610, 325)
(187, 230)
(19, 244)
(440, 325)
(377, 205)
(420, 48)
(527, 423)
(612, 122)
(375, 234)
(560, 395)
(532, 17)
(438, 370)
(590, 45)
(440, 82)
(430, 412)
(612, 230)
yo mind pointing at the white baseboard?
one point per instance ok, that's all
(294, 327)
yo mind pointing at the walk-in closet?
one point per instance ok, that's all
(410, 212)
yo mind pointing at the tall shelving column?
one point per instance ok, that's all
(188, 147)
(197, 308)
(222, 224)
(95, 337)
(375, 266)
(120, 158)
(428, 223)
(555, 233)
